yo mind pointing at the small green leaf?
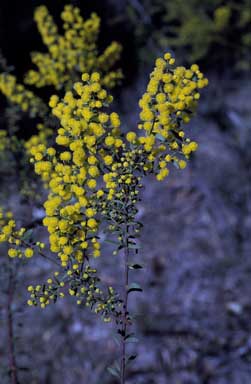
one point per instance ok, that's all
(176, 164)
(135, 266)
(113, 371)
(27, 235)
(116, 339)
(160, 137)
(117, 366)
(131, 358)
(134, 287)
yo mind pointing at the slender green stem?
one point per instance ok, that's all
(125, 309)
(10, 335)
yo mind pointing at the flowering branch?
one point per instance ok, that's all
(93, 172)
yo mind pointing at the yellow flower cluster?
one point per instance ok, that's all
(18, 94)
(32, 145)
(170, 100)
(84, 285)
(43, 295)
(73, 53)
(15, 238)
(96, 166)
(91, 139)
(68, 57)
(95, 175)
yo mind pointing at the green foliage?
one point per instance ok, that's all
(209, 30)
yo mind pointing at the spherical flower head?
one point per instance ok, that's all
(108, 160)
(109, 141)
(182, 164)
(85, 77)
(28, 252)
(193, 146)
(95, 77)
(194, 68)
(93, 171)
(12, 252)
(131, 137)
(90, 212)
(92, 160)
(100, 193)
(62, 140)
(103, 118)
(92, 223)
(53, 101)
(118, 143)
(167, 56)
(65, 156)
(96, 253)
(91, 183)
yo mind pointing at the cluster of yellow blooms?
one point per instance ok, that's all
(68, 57)
(40, 139)
(93, 174)
(84, 285)
(18, 94)
(15, 238)
(91, 138)
(170, 100)
(97, 166)
(73, 53)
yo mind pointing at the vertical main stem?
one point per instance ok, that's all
(11, 348)
(125, 309)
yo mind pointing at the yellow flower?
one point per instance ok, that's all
(92, 223)
(109, 140)
(65, 156)
(90, 212)
(182, 164)
(131, 137)
(28, 252)
(12, 252)
(92, 183)
(72, 53)
(53, 101)
(108, 160)
(93, 171)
